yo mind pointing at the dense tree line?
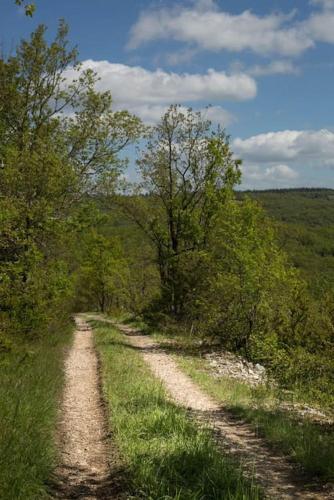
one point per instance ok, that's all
(59, 140)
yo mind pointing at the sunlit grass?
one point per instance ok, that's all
(304, 441)
(167, 455)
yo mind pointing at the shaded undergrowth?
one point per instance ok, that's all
(168, 456)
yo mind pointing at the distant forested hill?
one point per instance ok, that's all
(305, 218)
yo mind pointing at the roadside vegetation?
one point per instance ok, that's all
(222, 273)
(30, 391)
(307, 443)
(166, 454)
(57, 142)
(271, 411)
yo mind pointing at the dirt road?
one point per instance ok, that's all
(87, 467)
(279, 478)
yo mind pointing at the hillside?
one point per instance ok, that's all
(312, 207)
(306, 228)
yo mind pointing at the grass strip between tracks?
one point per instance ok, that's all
(167, 455)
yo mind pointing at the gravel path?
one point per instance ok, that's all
(278, 477)
(85, 469)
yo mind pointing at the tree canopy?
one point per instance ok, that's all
(59, 140)
(187, 171)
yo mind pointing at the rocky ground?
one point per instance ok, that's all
(226, 364)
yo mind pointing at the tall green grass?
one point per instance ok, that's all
(30, 383)
(305, 442)
(167, 455)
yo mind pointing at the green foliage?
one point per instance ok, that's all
(59, 141)
(239, 286)
(247, 295)
(166, 454)
(305, 232)
(187, 169)
(31, 382)
(311, 207)
(305, 223)
(306, 442)
(242, 291)
(103, 274)
(143, 276)
(244, 287)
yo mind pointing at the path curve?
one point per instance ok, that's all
(279, 478)
(84, 471)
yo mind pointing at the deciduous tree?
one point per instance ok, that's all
(188, 170)
(59, 139)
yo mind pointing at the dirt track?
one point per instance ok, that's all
(89, 468)
(278, 477)
(87, 465)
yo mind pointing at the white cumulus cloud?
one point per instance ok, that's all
(281, 172)
(320, 26)
(277, 159)
(136, 84)
(148, 93)
(205, 25)
(275, 176)
(305, 147)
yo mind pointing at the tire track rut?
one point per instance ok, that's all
(88, 466)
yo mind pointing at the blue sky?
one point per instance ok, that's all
(267, 69)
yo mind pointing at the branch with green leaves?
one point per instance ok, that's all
(29, 8)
